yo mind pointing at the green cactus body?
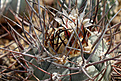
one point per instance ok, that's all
(17, 6)
(91, 70)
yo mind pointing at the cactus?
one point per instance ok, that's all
(65, 44)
